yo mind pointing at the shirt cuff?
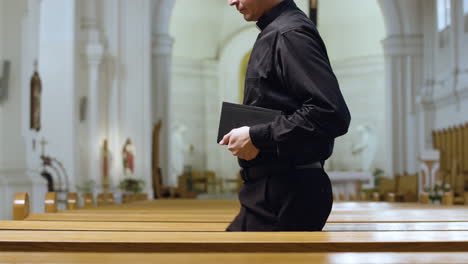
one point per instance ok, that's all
(260, 136)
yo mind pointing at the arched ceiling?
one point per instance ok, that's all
(201, 28)
(402, 17)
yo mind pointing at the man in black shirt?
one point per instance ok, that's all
(285, 186)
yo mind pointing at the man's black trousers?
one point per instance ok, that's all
(288, 199)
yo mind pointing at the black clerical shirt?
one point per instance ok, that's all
(289, 70)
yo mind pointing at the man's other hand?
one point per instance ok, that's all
(240, 144)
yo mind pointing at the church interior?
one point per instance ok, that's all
(109, 111)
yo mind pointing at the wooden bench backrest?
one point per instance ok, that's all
(21, 206)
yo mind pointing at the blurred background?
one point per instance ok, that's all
(96, 96)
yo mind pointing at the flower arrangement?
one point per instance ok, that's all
(130, 185)
(435, 195)
(378, 174)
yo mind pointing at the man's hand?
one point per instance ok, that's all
(240, 144)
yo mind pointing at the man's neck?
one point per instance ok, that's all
(270, 4)
(276, 8)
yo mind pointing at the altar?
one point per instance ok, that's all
(347, 184)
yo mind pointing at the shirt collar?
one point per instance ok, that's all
(273, 13)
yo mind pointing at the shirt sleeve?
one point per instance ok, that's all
(304, 69)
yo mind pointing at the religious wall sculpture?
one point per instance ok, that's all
(156, 169)
(36, 91)
(128, 158)
(179, 149)
(4, 78)
(105, 166)
(366, 146)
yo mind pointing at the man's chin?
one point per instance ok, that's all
(249, 18)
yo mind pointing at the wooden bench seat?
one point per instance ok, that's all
(217, 227)
(200, 208)
(234, 258)
(127, 233)
(223, 211)
(409, 216)
(112, 226)
(241, 242)
(234, 204)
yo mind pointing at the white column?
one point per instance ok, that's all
(162, 61)
(94, 52)
(403, 81)
(114, 70)
(458, 47)
(425, 99)
(212, 111)
(427, 114)
(20, 47)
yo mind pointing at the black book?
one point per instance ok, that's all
(238, 115)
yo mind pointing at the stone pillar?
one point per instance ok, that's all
(162, 62)
(94, 55)
(457, 33)
(427, 116)
(404, 58)
(94, 51)
(425, 96)
(212, 110)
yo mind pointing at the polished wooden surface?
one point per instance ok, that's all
(111, 226)
(397, 216)
(191, 204)
(108, 241)
(50, 202)
(72, 201)
(153, 230)
(223, 211)
(217, 227)
(88, 200)
(235, 258)
(20, 206)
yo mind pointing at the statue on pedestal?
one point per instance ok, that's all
(179, 148)
(366, 146)
(128, 157)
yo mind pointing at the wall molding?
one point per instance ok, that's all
(357, 66)
(403, 45)
(443, 94)
(195, 68)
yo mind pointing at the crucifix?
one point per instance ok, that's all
(57, 167)
(313, 7)
(43, 143)
(46, 161)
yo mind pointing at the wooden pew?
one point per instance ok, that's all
(218, 211)
(88, 201)
(84, 238)
(185, 217)
(394, 216)
(50, 203)
(234, 258)
(217, 227)
(240, 242)
(72, 201)
(21, 206)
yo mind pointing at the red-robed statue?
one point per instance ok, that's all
(128, 155)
